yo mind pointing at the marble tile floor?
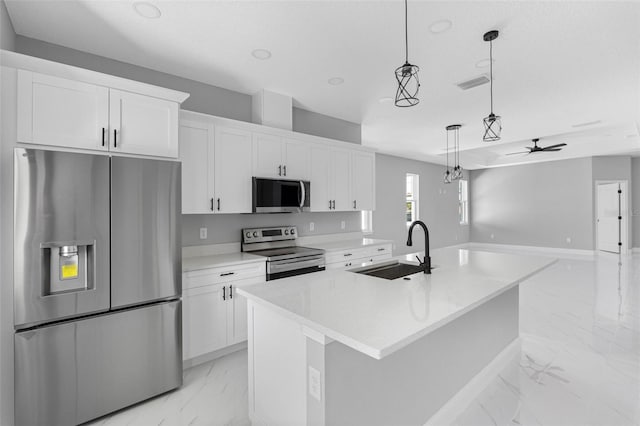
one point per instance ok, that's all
(579, 362)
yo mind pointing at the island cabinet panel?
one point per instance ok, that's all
(214, 315)
(74, 114)
(60, 112)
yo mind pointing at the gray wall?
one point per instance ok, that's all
(322, 125)
(612, 168)
(438, 205)
(535, 204)
(225, 228)
(635, 200)
(7, 35)
(221, 102)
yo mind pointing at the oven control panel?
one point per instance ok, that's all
(261, 235)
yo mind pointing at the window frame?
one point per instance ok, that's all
(463, 202)
(415, 199)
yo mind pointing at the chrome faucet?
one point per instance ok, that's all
(426, 263)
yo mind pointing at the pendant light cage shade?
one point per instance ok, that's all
(456, 173)
(492, 128)
(447, 176)
(407, 74)
(408, 85)
(492, 123)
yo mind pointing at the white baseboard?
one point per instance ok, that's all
(448, 413)
(192, 362)
(554, 251)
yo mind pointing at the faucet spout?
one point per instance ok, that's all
(427, 258)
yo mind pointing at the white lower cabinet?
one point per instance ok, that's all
(214, 316)
(358, 257)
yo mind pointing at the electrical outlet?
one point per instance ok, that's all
(203, 233)
(568, 240)
(315, 387)
(343, 225)
(492, 236)
(312, 226)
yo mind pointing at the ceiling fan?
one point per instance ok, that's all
(536, 148)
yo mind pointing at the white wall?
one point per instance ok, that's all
(635, 200)
(438, 205)
(535, 204)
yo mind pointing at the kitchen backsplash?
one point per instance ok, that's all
(225, 228)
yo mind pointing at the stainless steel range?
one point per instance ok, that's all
(284, 257)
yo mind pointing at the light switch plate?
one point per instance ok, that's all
(312, 226)
(203, 233)
(343, 225)
(315, 386)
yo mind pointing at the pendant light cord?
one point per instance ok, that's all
(491, 72)
(447, 150)
(406, 34)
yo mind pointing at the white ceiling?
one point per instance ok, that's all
(556, 64)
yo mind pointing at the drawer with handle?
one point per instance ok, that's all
(225, 274)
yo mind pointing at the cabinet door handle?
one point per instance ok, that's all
(226, 274)
(224, 293)
(103, 130)
(218, 204)
(212, 204)
(354, 204)
(230, 292)
(381, 249)
(115, 138)
(279, 170)
(284, 168)
(348, 254)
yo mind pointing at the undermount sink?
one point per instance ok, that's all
(390, 270)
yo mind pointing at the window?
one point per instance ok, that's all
(463, 202)
(367, 221)
(412, 197)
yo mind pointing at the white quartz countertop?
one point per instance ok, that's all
(376, 316)
(218, 260)
(349, 244)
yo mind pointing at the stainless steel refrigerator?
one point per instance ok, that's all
(97, 284)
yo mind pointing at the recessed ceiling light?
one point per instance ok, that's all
(441, 26)
(147, 10)
(385, 100)
(588, 123)
(261, 54)
(335, 81)
(483, 63)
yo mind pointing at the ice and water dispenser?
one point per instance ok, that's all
(69, 266)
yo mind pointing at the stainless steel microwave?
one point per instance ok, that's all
(281, 196)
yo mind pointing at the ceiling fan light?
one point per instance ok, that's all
(492, 128)
(408, 85)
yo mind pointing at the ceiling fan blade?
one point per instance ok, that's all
(553, 149)
(546, 148)
(523, 152)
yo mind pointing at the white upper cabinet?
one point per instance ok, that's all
(196, 153)
(232, 168)
(340, 179)
(297, 158)
(67, 113)
(60, 112)
(143, 125)
(280, 158)
(362, 180)
(267, 156)
(320, 199)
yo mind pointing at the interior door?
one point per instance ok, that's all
(146, 263)
(232, 168)
(142, 125)
(608, 224)
(61, 199)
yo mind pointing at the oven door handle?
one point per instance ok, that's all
(303, 192)
(275, 267)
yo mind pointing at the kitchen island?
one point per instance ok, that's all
(339, 347)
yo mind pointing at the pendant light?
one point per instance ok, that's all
(492, 122)
(456, 173)
(407, 74)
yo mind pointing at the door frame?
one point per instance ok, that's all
(626, 213)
